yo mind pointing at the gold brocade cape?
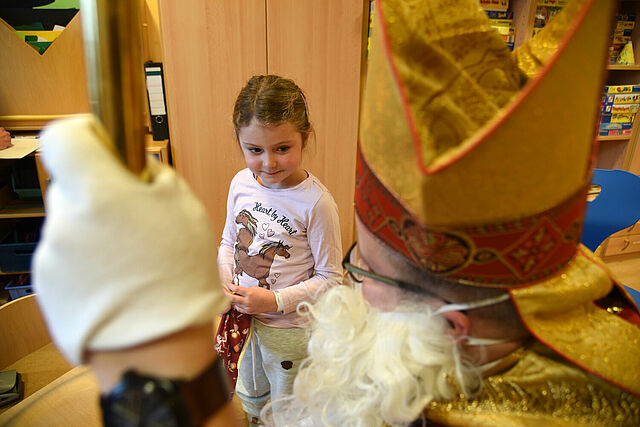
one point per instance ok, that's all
(540, 389)
(473, 164)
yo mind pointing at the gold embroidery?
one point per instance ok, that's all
(561, 312)
(443, 54)
(541, 391)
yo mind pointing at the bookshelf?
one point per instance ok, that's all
(621, 251)
(615, 152)
(624, 67)
(620, 152)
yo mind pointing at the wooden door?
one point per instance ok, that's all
(210, 49)
(319, 44)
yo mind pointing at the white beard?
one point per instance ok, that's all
(367, 367)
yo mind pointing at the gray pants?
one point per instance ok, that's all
(269, 365)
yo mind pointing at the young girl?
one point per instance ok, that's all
(281, 240)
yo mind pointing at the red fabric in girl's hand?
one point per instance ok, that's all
(230, 338)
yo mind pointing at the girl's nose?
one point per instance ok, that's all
(270, 160)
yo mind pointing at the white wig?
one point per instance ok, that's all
(366, 367)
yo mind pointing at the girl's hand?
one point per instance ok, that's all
(254, 300)
(228, 293)
(5, 139)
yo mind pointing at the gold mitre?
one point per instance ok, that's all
(473, 164)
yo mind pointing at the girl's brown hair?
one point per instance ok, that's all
(272, 100)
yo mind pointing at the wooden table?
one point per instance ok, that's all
(55, 393)
(39, 368)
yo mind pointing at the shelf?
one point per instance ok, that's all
(22, 209)
(614, 138)
(624, 67)
(13, 273)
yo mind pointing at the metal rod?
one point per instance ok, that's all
(115, 73)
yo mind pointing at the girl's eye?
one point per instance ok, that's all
(283, 149)
(255, 150)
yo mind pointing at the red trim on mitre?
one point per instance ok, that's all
(508, 253)
(485, 133)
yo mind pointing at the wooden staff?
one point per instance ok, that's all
(115, 73)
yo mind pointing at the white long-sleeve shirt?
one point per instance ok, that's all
(282, 239)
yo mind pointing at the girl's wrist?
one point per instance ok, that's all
(279, 303)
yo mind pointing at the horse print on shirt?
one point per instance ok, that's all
(257, 266)
(248, 230)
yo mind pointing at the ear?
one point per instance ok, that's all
(459, 322)
(305, 137)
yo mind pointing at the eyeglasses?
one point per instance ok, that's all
(358, 273)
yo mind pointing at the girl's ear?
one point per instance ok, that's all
(305, 137)
(459, 322)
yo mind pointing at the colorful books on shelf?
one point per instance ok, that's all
(620, 104)
(552, 3)
(622, 31)
(545, 11)
(494, 4)
(621, 89)
(502, 22)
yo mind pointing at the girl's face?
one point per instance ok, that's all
(273, 153)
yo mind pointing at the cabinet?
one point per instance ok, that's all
(38, 88)
(211, 49)
(45, 86)
(21, 215)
